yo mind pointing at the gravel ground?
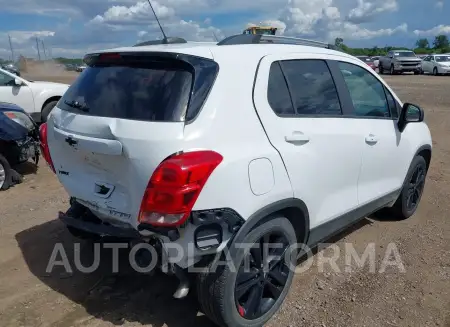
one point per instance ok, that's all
(347, 296)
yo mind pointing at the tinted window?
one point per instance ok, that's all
(404, 54)
(278, 93)
(152, 91)
(6, 80)
(366, 92)
(312, 87)
(391, 103)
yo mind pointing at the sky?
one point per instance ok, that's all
(72, 28)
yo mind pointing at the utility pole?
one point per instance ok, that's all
(10, 45)
(43, 47)
(37, 45)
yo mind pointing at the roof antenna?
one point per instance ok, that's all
(162, 31)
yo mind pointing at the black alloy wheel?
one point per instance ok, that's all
(262, 276)
(415, 189)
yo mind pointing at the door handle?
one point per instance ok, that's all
(371, 139)
(296, 137)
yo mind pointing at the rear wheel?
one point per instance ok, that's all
(5, 173)
(248, 291)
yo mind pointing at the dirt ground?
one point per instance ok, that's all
(420, 296)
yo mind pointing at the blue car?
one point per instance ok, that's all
(19, 142)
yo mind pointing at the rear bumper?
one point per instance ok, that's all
(98, 228)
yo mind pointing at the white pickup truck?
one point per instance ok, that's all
(35, 97)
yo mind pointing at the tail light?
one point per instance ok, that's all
(44, 145)
(175, 186)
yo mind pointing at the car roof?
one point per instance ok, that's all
(209, 49)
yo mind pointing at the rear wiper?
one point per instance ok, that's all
(77, 105)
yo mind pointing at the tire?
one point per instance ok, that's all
(47, 109)
(435, 71)
(380, 69)
(216, 288)
(5, 174)
(416, 72)
(392, 70)
(401, 210)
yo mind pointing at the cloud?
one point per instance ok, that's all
(437, 30)
(439, 4)
(368, 10)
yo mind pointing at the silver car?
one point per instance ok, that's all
(436, 64)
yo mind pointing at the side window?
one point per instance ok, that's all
(366, 92)
(6, 80)
(392, 103)
(312, 87)
(278, 93)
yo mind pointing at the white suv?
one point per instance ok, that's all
(227, 148)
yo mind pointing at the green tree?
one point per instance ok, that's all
(441, 42)
(338, 42)
(423, 43)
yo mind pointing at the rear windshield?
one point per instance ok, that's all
(150, 91)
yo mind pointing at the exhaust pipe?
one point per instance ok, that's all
(183, 288)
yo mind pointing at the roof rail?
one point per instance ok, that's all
(169, 40)
(272, 39)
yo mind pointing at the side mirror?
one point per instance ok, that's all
(18, 82)
(411, 113)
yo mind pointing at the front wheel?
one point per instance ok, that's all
(380, 69)
(408, 201)
(249, 289)
(392, 71)
(5, 173)
(435, 72)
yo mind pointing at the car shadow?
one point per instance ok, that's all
(26, 168)
(116, 297)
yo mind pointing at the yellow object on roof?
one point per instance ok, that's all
(267, 30)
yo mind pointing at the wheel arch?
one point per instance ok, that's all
(425, 152)
(53, 98)
(295, 210)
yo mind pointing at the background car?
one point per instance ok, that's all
(436, 64)
(37, 98)
(368, 60)
(11, 68)
(19, 142)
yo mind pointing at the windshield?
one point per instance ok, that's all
(150, 91)
(442, 58)
(405, 54)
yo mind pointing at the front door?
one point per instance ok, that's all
(383, 162)
(19, 95)
(299, 107)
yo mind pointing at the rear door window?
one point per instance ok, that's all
(149, 91)
(312, 87)
(278, 93)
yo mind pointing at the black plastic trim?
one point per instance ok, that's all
(99, 229)
(264, 213)
(170, 232)
(221, 215)
(337, 225)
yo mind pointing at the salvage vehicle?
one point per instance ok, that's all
(436, 64)
(11, 68)
(162, 145)
(368, 60)
(400, 61)
(37, 98)
(19, 142)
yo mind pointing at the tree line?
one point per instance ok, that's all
(441, 44)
